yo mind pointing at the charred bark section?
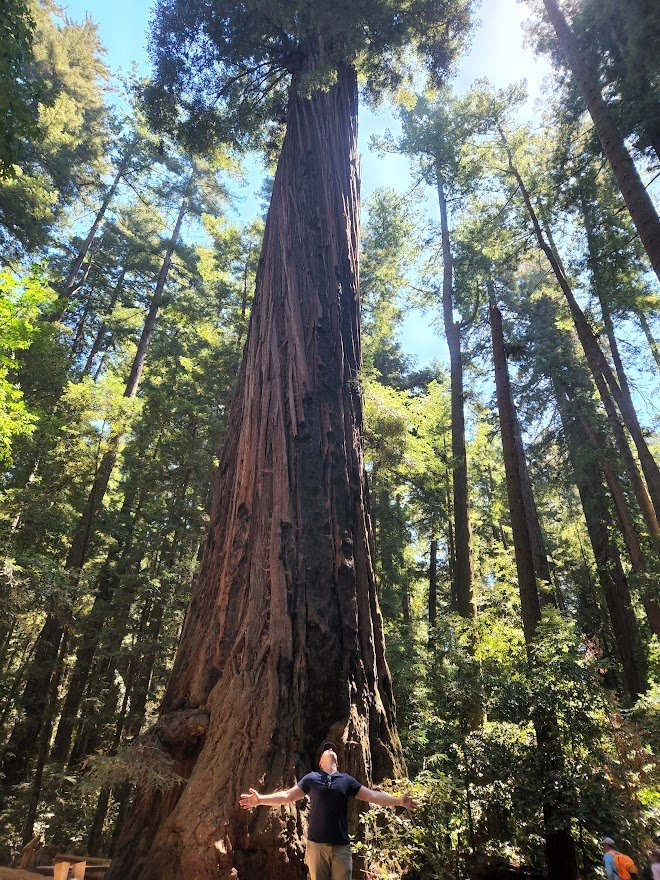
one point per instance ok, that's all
(282, 643)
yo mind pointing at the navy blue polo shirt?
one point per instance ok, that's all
(329, 794)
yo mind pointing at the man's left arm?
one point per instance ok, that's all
(383, 799)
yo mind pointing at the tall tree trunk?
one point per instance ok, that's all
(86, 525)
(27, 727)
(286, 590)
(102, 332)
(639, 488)
(42, 749)
(589, 481)
(451, 553)
(608, 562)
(561, 856)
(33, 703)
(72, 283)
(120, 559)
(79, 334)
(541, 565)
(636, 197)
(462, 575)
(433, 585)
(530, 605)
(462, 550)
(595, 358)
(628, 528)
(9, 697)
(646, 330)
(95, 833)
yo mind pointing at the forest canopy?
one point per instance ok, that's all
(243, 515)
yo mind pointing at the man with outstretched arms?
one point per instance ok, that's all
(328, 854)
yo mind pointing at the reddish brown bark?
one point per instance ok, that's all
(282, 643)
(522, 543)
(541, 565)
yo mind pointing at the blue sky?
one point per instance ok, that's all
(497, 51)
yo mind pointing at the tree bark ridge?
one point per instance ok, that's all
(282, 643)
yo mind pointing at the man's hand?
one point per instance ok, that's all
(383, 799)
(408, 801)
(251, 800)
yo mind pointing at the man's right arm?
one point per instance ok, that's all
(275, 799)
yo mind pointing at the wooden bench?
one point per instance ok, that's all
(63, 871)
(68, 866)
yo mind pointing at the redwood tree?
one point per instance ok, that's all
(559, 844)
(637, 199)
(435, 133)
(282, 644)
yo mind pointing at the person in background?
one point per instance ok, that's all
(654, 856)
(618, 866)
(328, 853)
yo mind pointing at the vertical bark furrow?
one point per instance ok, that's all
(283, 638)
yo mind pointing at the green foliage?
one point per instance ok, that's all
(221, 73)
(18, 90)
(429, 838)
(621, 43)
(223, 77)
(57, 166)
(145, 764)
(22, 305)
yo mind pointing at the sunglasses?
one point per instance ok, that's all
(326, 780)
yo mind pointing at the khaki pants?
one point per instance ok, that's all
(327, 862)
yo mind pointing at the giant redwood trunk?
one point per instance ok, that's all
(282, 645)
